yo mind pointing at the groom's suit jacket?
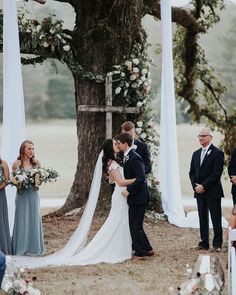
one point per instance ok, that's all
(232, 170)
(134, 168)
(208, 174)
(144, 151)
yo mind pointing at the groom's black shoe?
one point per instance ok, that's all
(151, 253)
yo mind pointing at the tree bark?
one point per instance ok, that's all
(104, 33)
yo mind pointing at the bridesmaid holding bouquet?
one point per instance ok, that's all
(28, 231)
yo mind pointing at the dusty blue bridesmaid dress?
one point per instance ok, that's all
(5, 241)
(28, 230)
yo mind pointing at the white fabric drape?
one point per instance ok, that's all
(13, 98)
(169, 165)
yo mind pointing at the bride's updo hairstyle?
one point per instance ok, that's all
(108, 154)
(22, 151)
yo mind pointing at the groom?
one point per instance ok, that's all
(137, 196)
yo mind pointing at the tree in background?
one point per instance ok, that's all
(108, 40)
(196, 82)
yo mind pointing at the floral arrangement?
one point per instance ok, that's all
(34, 177)
(206, 278)
(15, 283)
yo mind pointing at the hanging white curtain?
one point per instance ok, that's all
(169, 164)
(13, 97)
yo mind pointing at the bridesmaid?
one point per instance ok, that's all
(28, 231)
(5, 241)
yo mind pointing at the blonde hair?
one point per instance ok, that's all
(22, 150)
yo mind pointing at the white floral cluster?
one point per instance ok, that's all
(14, 283)
(134, 76)
(47, 34)
(135, 87)
(22, 178)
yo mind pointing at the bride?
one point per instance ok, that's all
(112, 243)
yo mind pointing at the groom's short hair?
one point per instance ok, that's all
(125, 138)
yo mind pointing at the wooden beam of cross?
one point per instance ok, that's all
(108, 108)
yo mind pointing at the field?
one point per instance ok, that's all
(56, 146)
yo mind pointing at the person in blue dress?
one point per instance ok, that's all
(28, 231)
(5, 241)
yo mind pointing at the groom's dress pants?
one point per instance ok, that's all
(140, 241)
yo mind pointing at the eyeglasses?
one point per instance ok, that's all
(203, 135)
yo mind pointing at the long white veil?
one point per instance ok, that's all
(79, 238)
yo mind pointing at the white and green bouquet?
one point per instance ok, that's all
(22, 178)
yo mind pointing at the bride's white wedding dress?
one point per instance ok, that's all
(111, 244)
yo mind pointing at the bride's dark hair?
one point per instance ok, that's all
(108, 154)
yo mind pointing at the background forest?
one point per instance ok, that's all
(52, 95)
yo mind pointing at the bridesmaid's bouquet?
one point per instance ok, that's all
(22, 178)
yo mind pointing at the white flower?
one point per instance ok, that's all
(38, 28)
(140, 124)
(52, 31)
(66, 47)
(109, 74)
(122, 74)
(128, 64)
(45, 44)
(143, 135)
(144, 71)
(22, 269)
(58, 36)
(138, 130)
(28, 31)
(118, 90)
(143, 78)
(135, 70)
(41, 37)
(139, 104)
(125, 93)
(127, 85)
(135, 61)
(133, 77)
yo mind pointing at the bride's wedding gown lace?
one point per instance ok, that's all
(111, 244)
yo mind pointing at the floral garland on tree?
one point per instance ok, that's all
(133, 84)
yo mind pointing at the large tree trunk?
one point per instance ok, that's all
(105, 32)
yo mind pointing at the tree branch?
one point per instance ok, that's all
(179, 15)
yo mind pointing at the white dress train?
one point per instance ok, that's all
(111, 244)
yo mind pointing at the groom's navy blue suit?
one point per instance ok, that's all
(138, 199)
(232, 172)
(208, 175)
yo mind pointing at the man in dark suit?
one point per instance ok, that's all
(139, 146)
(137, 195)
(2, 267)
(205, 173)
(232, 174)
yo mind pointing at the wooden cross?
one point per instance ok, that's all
(108, 108)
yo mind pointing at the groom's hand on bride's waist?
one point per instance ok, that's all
(125, 193)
